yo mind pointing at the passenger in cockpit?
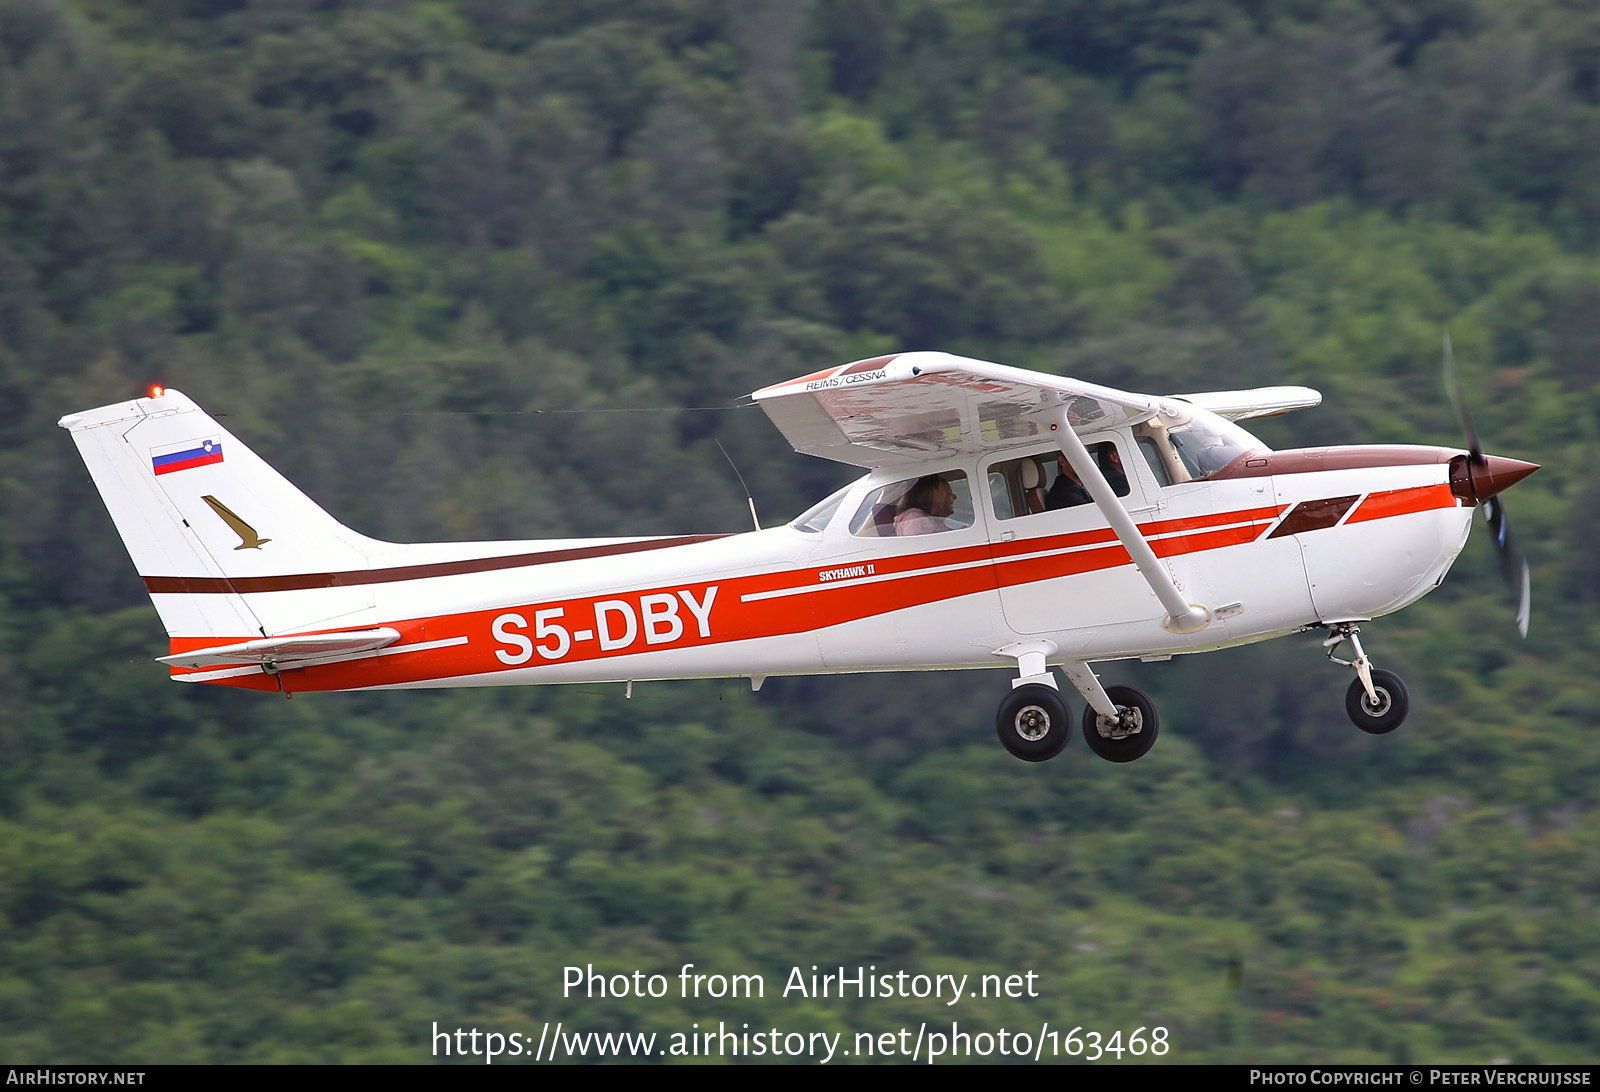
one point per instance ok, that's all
(1068, 491)
(1111, 467)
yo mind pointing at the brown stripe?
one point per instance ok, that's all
(246, 585)
(867, 365)
(1264, 464)
(1314, 515)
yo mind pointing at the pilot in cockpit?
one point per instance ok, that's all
(926, 508)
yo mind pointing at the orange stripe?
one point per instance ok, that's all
(1403, 502)
(1149, 529)
(1031, 570)
(820, 606)
(1167, 526)
(1208, 540)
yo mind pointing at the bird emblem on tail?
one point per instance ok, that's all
(248, 539)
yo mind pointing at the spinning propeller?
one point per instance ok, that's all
(1480, 479)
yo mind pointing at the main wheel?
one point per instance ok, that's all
(1384, 715)
(1129, 737)
(1033, 723)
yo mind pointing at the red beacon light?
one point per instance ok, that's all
(157, 390)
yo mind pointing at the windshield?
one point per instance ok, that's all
(815, 518)
(1191, 442)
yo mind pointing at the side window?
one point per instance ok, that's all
(1044, 482)
(1000, 490)
(917, 506)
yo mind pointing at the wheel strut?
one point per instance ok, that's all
(1032, 663)
(1082, 676)
(1339, 633)
(1377, 701)
(1116, 719)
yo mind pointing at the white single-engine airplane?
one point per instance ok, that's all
(1006, 515)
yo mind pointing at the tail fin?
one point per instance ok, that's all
(210, 525)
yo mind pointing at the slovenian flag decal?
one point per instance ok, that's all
(184, 456)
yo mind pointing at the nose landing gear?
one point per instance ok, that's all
(1377, 701)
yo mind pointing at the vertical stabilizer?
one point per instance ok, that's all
(213, 530)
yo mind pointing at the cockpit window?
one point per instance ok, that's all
(1185, 443)
(917, 506)
(815, 519)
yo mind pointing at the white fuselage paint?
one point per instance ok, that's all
(1279, 585)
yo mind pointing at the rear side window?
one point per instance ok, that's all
(1045, 483)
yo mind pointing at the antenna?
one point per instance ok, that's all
(753, 518)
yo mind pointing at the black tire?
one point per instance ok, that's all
(1129, 747)
(1033, 723)
(1393, 704)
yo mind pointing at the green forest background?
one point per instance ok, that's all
(384, 236)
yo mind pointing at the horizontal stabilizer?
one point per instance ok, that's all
(325, 647)
(1260, 402)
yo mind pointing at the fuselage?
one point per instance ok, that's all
(1268, 544)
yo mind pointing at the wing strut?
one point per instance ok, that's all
(1182, 616)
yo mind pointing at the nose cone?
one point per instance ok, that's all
(1477, 481)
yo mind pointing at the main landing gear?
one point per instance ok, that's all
(1032, 722)
(1128, 735)
(1377, 701)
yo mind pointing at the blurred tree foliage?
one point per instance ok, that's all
(483, 268)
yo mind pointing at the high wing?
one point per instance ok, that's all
(907, 408)
(910, 407)
(1260, 402)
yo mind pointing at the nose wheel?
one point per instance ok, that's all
(1376, 702)
(1381, 712)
